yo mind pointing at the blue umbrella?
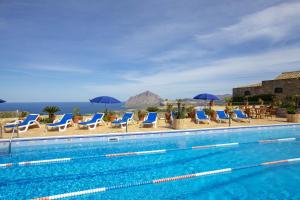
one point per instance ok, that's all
(2, 101)
(206, 96)
(105, 100)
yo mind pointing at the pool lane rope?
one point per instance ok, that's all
(168, 179)
(159, 151)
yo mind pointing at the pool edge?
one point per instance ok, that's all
(141, 133)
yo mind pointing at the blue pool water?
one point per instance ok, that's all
(89, 170)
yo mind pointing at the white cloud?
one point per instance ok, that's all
(60, 68)
(274, 23)
(219, 76)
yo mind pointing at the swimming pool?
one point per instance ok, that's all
(133, 167)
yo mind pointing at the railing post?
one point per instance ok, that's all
(1, 130)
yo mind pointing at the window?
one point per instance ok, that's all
(278, 90)
(247, 93)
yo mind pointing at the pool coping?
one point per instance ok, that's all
(111, 135)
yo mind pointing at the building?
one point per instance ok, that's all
(286, 84)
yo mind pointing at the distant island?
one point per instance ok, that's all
(148, 98)
(143, 100)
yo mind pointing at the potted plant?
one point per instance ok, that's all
(191, 112)
(292, 115)
(109, 116)
(210, 112)
(168, 113)
(141, 115)
(51, 110)
(76, 115)
(179, 116)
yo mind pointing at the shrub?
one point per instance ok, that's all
(51, 110)
(181, 111)
(108, 116)
(76, 111)
(152, 109)
(8, 114)
(291, 110)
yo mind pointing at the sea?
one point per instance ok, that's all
(65, 107)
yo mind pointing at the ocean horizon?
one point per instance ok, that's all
(65, 107)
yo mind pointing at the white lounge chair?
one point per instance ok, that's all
(23, 125)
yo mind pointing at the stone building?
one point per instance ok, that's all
(286, 84)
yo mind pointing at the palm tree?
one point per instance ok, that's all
(51, 110)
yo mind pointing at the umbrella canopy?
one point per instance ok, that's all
(2, 101)
(105, 99)
(206, 96)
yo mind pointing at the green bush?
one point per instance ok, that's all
(51, 110)
(46, 120)
(8, 114)
(180, 113)
(108, 114)
(253, 99)
(291, 110)
(152, 109)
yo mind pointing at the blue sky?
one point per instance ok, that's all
(75, 50)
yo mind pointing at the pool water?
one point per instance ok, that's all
(90, 169)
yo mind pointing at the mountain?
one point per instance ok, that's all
(144, 100)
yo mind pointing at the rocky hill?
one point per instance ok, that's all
(144, 100)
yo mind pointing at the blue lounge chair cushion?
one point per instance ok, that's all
(152, 116)
(94, 119)
(25, 122)
(63, 121)
(222, 115)
(240, 114)
(201, 115)
(124, 119)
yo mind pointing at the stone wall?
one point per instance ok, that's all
(289, 87)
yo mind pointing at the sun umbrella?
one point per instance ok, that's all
(2, 101)
(105, 100)
(206, 96)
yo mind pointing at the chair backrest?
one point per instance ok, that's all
(172, 116)
(127, 116)
(30, 117)
(221, 114)
(97, 116)
(200, 114)
(66, 117)
(152, 116)
(239, 114)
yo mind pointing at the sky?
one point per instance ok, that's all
(75, 50)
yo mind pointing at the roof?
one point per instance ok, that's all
(252, 85)
(288, 75)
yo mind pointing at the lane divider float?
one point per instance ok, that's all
(136, 153)
(164, 180)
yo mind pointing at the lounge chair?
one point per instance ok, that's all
(23, 125)
(222, 116)
(92, 123)
(61, 124)
(200, 116)
(240, 116)
(127, 118)
(151, 119)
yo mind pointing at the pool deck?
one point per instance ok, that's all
(136, 128)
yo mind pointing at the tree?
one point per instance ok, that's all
(51, 110)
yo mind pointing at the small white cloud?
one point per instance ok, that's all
(60, 68)
(274, 23)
